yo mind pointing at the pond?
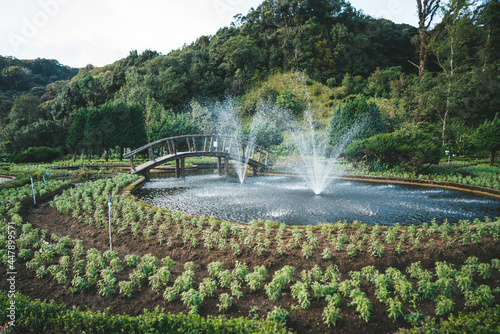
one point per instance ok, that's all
(290, 200)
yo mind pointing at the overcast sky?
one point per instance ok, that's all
(99, 32)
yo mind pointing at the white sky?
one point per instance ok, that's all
(99, 32)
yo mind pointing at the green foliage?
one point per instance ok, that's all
(288, 100)
(38, 154)
(482, 321)
(278, 314)
(37, 316)
(355, 120)
(263, 133)
(410, 149)
(173, 125)
(487, 137)
(379, 82)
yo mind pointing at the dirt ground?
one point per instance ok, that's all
(43, 216)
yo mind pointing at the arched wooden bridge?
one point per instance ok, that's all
(181, 147)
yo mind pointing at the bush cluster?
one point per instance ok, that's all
(409, 149)
(38, 154)
(35, 316)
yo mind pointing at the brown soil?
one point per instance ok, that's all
(43, 216)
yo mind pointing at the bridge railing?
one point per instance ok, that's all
(204, 143)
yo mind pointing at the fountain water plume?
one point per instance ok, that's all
(318, 160)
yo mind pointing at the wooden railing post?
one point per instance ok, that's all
(132, 163)
(168, 146)
(151, 154)
(173, 146)
(189, 145)
(183, 168)
(194, 144)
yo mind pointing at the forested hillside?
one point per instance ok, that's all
(18, 77)
(444, 75)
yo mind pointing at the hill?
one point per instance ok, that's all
(343, 53)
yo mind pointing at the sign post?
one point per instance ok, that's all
(33, 189)
(109, 206)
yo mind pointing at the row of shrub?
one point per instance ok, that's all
(35, 316)
(484, 321)
(38, 154)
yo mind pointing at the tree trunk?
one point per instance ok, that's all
(448, 97)
(493, 155)
(422, 56)
(426, 11)
(74, 156)
(121, 153)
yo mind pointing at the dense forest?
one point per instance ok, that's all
(442, 77)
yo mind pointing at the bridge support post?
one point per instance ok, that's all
(219, 165)
(146, 175)
(177, 174)
(226, 163)
(132, 167)
(183, 169)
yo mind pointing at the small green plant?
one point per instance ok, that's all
(225, 302)
(126, 288)
(193, 299)
(236, 289)
(301, 294)
(278, 314)
(132, 260)
(331, 314)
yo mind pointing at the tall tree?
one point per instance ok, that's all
(427, 9)
(77, 132)
(488, 137)
(454, 49)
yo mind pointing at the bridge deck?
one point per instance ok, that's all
(181, 155)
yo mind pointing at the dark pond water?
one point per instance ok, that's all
(289, 200)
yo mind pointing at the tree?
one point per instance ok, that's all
(113, 124)
(426, 11)
(263, 133)
(131, 127)
(487, 137)
(76, 133)
(173, 125)
(410, 148)
(26, 108)
(356, 120)
(452, 49)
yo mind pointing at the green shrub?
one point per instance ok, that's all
(409, 149)
(484, 321)
(35, 316)
(38, 154)
(355, 120)
(263, 134)
(288, 100)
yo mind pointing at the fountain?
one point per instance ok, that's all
(289, 199)
(225, 116)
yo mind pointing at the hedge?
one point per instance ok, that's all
(38, 154)
(35, 316)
